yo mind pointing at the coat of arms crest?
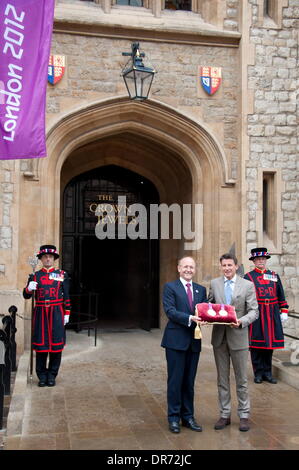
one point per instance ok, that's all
(56, 68)
(210, 78)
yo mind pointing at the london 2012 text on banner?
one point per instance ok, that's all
(25, 38)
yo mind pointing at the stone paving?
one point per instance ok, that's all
(113, 397)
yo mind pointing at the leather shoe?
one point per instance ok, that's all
(51, 383)
(258, 380)
(271, 380)
(174, 426)
(192, 424)
(244, 425)
(42, 383)
(221, 423)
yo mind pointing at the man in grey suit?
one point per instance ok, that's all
(231, 341)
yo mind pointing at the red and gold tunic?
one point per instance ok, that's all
(266, 332)
(52, 302)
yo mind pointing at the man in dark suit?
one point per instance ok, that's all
(182, 349)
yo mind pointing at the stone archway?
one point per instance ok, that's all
(181, 158)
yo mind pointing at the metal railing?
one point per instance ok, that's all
(293, 315)
(8, 355)
(84, 312)
(294, 347)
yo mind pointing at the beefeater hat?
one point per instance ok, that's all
(47, 250)
(259, 252)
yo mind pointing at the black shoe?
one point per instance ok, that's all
(192, 424)
(269, 379)
(174, 426)
(42, 383)
(258, 380)
(51, 383)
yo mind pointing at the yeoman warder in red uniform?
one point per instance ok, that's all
(51, 313)
(266, 333)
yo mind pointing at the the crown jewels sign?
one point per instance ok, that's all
(56, 68)
(210, 78)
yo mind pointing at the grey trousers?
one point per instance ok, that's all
(239, 358)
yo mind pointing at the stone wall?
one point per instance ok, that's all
(231, 20)
(94, 72)
(6, 195)
(273, 133)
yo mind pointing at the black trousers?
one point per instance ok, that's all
(261, 362)
(43, 372)
(181, 369)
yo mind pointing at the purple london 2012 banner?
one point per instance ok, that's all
(25, 40)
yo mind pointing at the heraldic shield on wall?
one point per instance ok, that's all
(210, 78)
(56, 68)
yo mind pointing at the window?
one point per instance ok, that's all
(271, 216)
(266, 8)
(268, 205)
(132, 3)
(270, 12)
(178, 5)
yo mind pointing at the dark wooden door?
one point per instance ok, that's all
(124, 272)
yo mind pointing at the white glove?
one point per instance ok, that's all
(32, 286)
(66, 319)
(284, 317)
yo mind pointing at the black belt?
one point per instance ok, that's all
(267, 301)
(48, 303)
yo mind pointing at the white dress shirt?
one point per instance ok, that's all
(233, 282)
(184, 282)
(232, 286)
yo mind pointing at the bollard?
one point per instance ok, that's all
(1, 395)
(7, 358)
(8, 355)
(13, 345)
(2, 347)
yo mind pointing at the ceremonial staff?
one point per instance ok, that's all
(32, 260)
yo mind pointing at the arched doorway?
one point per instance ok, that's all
(123, 272)
(179, 155)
